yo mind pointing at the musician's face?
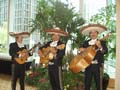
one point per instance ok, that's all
(19, 39)
(55, 37)
(93, 34)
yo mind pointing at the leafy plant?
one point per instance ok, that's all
(107, 17)
(72, 81)
(53, 13)
(38, 78)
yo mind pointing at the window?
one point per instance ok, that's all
(3, 26)
(20, 15)
(92, 7)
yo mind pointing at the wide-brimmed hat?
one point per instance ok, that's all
(57, 31)
(23, 34)
(92, 27)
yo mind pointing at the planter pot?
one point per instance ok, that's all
(105, 81)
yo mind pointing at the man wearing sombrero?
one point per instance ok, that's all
(93, 70)
(18, 69)
(55, 64)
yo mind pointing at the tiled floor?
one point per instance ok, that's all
(5, 83)
(110, 89)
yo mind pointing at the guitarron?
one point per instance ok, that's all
(84, 59)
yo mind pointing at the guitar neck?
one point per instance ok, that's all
(31, 48)
(105, 37)
(34, 46)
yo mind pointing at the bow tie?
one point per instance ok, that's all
(53, 44)
(92, 42)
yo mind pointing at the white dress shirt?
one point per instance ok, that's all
(20, 45)
(92, 41)
(54, 43)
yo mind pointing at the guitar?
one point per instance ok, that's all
(49, 53)
(25, 54)
(84, 59)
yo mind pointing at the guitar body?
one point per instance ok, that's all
(21, 60)
(82, 60)
(44, 60)
(24, 54)
(49, 53)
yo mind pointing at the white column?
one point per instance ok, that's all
(117, 80)
(10, 18)
(81, 8)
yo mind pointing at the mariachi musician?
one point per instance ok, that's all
(18, 69)
(55, 63)
(93, 70)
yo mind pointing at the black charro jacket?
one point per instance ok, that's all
(13, 49)
(100, 53)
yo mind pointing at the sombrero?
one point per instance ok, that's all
(24, 34)
(92, 27)
(57, 31)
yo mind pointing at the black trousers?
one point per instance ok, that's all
(18, 72)
(55, 77)
(93, 71)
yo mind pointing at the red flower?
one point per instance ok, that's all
(31, 75)
(42, 80)
(34, 74)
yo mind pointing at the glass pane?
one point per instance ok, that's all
(3, 26)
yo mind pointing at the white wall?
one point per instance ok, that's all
(117, 80)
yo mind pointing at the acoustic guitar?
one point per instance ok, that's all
(84, 59)
(25, 54)
(49, 53)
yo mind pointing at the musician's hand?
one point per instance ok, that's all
(40, 53)
(54, 51)
(33, 50)
(22, 55)
(51, 56)
(98, 44)
(82, 49)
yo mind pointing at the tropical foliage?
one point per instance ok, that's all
(38, 78)
(107, 17)
(51, 14)
(3, 40)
